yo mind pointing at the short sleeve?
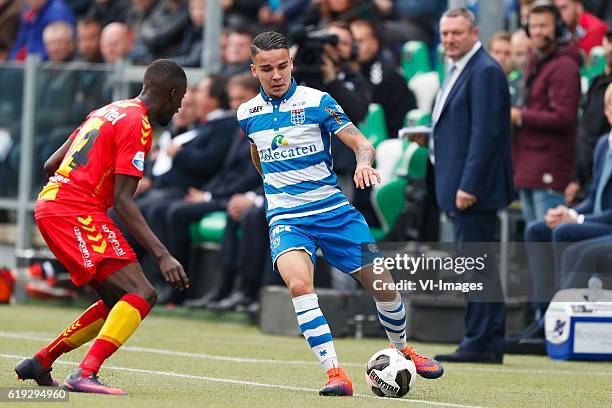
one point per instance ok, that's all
(333, 118)
(133, 141)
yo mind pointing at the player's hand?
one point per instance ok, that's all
(366, 176)
(173, 272)
(238, 205)
(464, 200)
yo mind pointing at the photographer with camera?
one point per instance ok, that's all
(326, 60)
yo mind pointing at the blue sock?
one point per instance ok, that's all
(392, 316)
(315, 329)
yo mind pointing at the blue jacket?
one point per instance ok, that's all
(30, 33)
(586, 207)
(472, 138)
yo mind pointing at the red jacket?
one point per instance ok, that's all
(590, 32)
(543, 148)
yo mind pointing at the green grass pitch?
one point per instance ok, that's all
(184, 359)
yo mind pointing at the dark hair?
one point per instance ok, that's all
(165, 74)
(244, 80)
(89, 21)
(269, 40)
(461, 12)
(374, 29)
(217, 90)
(545, 6)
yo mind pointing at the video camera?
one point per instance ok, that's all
(310, 42)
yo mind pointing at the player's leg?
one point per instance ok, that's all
(297, 268)
(79, 332)
(346, 242)
(133, 297)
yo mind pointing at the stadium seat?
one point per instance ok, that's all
(417, 117)
(374, 126)
(209, 229)
(425, 86)
(597, 63)
(414, 59)
(388, 199)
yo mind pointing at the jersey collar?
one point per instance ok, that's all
(284, 98)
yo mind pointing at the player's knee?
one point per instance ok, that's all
(299, 287)
(150, 295)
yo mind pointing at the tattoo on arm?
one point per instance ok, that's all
(352, 130)
(364, 153)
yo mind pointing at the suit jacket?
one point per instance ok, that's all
(472, 138)
(238, 174)
(586, 207)
(200, 159)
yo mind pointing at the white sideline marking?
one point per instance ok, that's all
(249, 383)
(501, 369)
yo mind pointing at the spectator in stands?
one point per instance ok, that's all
(189, 51)
(34, 19)
(591, 219)
(237, 52)
(241, 13)
(389, 88)
(195, 159)
(139, 12)
(324, 12)
(115, 42)
(88, 39)
(109, 11)
(592, 125)
(58, 38)
(587, 30)
(160, 34)
(418, 20)
(235, 176)
(519, 61)
(524, 7)
(79, 7)
(160, 162)
(500, 48)
(9, 25)
(545, 136)
(283, 14)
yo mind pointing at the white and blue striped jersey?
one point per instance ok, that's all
(293, 139)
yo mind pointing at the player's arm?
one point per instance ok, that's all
(365, 175)
(53, 163)
(255, 159)
(126, 208)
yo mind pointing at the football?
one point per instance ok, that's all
(390, 374)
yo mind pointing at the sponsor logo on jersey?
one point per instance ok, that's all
(255, 109)
(280, 228)
(138, 160)
(334, 115)
(298, 116)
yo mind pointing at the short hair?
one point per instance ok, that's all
(244, 80)
(499, 36)
(165, 74)
(374, 30)
(545, 6)
(608, 95)
(268, 40)
(89, 21)
(461, 12)
(217, 90)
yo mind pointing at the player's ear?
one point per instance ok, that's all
(253, 70)
(173, 93)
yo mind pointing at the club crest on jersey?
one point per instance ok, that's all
(138, 160)
(279, 140)
(298, 116)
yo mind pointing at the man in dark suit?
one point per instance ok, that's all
(470, 150)
(588, 221)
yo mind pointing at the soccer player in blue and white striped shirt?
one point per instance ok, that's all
(290, 129)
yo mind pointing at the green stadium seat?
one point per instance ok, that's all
(388, 199)
(415, 59)
(417, 117)
(209, 229)
(374, 126)
(597, 63)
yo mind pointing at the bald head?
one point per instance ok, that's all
(58, 38)
(115, 42)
